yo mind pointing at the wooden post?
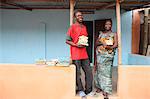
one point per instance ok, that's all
(71, 11)
(119, 32)
(145, 31)
(71, 18)
(71, 22)
(149, 28)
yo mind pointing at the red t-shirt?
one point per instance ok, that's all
(74, 32)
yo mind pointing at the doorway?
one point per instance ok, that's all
(99, 26)
(89, 26)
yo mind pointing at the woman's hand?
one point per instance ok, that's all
(108, 47)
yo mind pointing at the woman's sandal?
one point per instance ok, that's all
(98, 90)
(106, 98)
(105, 95)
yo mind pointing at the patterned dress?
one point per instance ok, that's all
(103, 75)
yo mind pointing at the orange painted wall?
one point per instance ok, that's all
(134, 82)
(37, 82)
(32, 82)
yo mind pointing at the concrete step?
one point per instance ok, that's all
(97, 97)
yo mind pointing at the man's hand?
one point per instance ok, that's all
(80, 46)
(75, 45)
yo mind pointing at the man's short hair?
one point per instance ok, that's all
(76, 11)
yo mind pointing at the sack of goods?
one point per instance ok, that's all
(109, 42)
(40, 62)
(83, 40)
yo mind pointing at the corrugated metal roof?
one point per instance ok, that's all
(79, 4)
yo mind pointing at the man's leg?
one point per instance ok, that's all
(78, 74)
(88, 75)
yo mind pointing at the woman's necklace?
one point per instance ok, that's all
(106, 33)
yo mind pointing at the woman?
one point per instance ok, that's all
(106, 44)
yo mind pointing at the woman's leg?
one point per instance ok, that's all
(106, 76)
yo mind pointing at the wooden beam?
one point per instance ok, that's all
(111, 4)
(71, 11)
(134, 2)
(122, 2)
(146, 11)
(143, 7)
(92, 3)
(36, 0)
(108, 5)
(90, 7)
(15, 5)
(60, 7)
(35, 8)
(119, 31)
(83, 2)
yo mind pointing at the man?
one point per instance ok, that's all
(79, 54)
